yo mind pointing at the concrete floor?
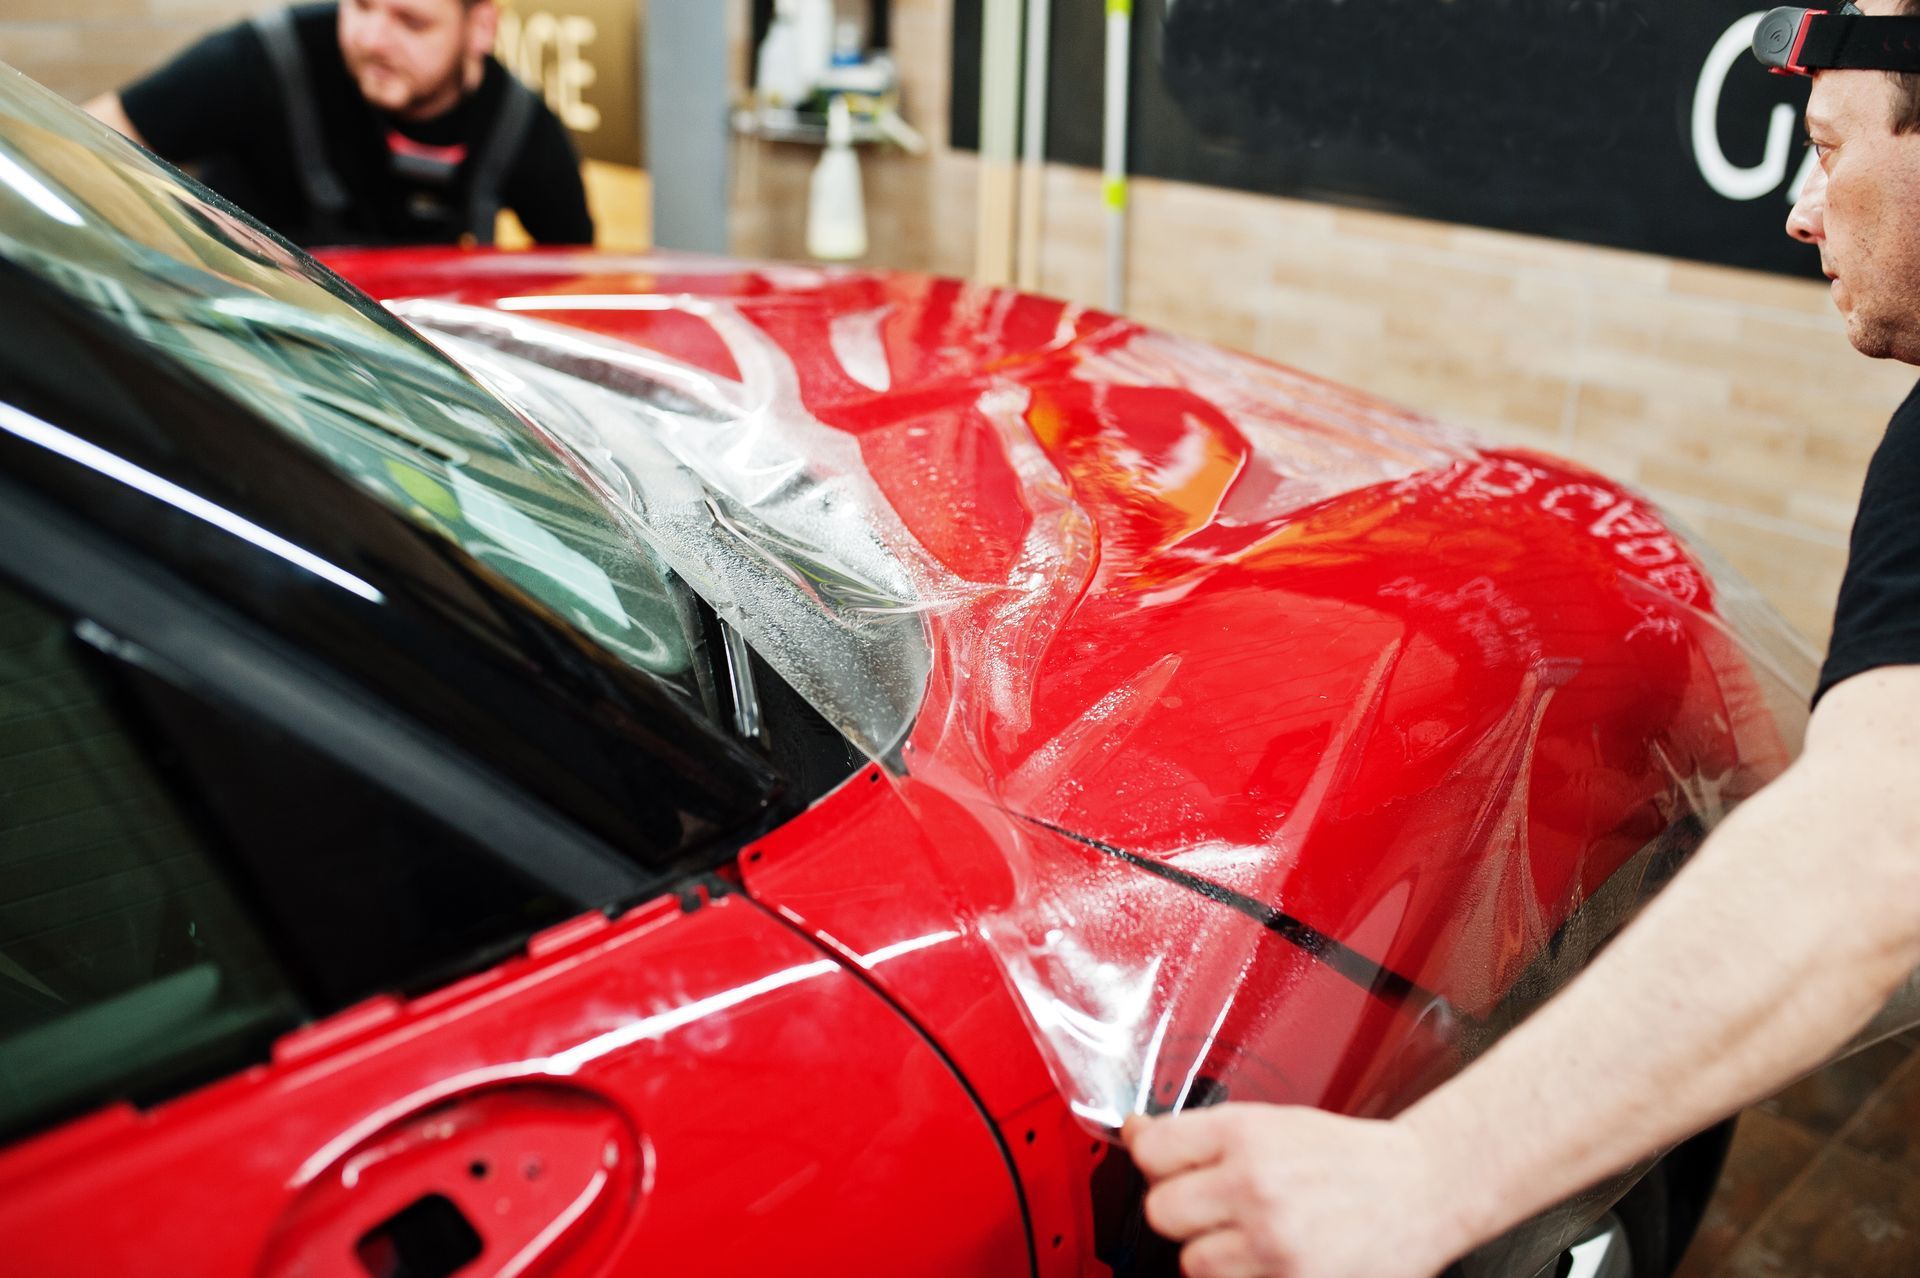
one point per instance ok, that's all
(1823, 1180)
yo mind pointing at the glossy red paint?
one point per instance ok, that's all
(670, 1092)
(1430, 699)
(1400, 705)
(1511, 664)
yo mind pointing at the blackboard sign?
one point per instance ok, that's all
(1641, 124)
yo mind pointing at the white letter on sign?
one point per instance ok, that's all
(1722, 174)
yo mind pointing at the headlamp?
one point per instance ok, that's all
(1802, 41)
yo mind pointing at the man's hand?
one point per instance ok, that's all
(1776, 944)
(1264, 1190)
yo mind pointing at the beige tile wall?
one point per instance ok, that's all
(79, 48)
(1729, 396)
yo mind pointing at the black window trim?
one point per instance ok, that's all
(147, 616)
(626, 729)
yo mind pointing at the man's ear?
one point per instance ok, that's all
(483, 21)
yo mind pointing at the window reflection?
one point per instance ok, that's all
(160, 257)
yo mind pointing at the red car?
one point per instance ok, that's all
(618, 766)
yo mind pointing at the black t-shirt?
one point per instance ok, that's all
(1877, 622)
(220, 106)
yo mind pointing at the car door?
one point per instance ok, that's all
(265, 1011)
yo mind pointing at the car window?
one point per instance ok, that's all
(180, 882)
(126, 960)
(211, 290)
(362, 891)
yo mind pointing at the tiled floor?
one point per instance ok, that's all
(1823, 1180)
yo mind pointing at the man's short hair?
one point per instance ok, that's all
(1906, 87)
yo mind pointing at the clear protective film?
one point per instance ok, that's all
(764, 512)
(1281, 745)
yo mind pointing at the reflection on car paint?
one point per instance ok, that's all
(34, 431)
(1451, 747)
(661, 1023)
(1259, 739)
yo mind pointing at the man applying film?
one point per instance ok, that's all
(1778, 942)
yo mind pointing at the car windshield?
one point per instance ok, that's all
(207, 288)
(757, 507)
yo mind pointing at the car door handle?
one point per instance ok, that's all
(512, 1181)
(428, 1238)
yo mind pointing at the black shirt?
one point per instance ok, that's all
(220, 106)
(1877, 622)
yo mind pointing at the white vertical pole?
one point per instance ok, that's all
(686, 111)
(1113, 186)
(1033, 141)
(999, 129)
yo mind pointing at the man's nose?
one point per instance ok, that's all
(374, 32)
(1806, 221)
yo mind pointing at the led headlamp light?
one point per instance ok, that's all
(1802, 41)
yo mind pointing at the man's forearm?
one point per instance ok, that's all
(1779, 941)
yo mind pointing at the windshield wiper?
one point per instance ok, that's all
(746, 695)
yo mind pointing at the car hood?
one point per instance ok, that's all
(1179, 649)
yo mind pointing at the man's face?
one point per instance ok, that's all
(1861, 208)
(413, 58)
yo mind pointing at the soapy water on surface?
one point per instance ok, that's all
(1106, 1018)
(794, 549)
(1151, 975)
(770, 517)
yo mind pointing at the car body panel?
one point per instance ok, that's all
(1264, 635)
(686, 1066)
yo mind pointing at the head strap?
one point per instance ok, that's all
(1803, 41)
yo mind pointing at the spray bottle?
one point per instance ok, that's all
(836, 208)
(779, 78)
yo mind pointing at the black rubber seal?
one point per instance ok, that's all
(1342, 958)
